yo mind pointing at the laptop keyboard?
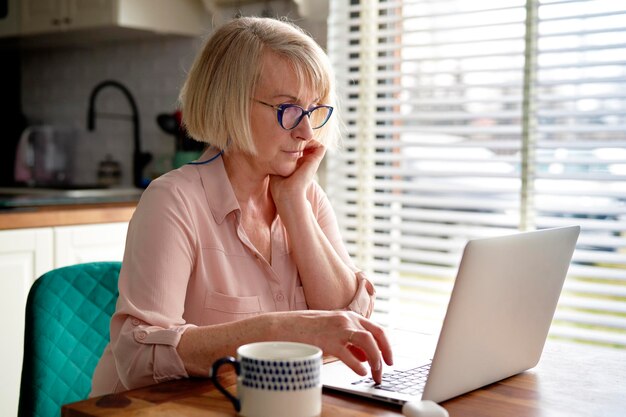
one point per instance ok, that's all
(411, 381)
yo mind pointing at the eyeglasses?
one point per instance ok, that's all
(290, 115)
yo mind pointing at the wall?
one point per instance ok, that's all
(56, 84)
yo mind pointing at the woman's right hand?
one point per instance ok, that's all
(346, 335)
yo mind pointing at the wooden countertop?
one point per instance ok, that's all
(66, 215)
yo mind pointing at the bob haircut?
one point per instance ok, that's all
(216, 97)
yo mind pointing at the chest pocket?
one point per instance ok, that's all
(221, 308)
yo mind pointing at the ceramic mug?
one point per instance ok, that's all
(275, 379)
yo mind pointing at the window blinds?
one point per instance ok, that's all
(468, 119)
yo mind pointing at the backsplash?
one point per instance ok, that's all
(56, 84)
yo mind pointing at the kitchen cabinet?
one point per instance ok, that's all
(77, 244)
(26, 254)
(183, 17)
(52, 15)
(9, 18)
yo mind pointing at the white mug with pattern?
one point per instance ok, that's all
(275, 379)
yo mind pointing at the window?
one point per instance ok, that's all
(468, 119)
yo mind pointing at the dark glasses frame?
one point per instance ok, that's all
(280, 109)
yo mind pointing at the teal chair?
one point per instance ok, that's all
(67, 327)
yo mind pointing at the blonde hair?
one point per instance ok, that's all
(216, 97)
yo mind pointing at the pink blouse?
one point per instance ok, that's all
(188, 262)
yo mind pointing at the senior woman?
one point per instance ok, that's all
(242, 245)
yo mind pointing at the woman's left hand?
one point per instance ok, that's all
(285, 189)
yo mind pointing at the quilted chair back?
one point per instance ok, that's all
(67, 327)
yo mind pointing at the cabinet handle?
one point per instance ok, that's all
(67, 20)
(56, 22)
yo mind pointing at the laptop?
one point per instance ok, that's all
(500, 310)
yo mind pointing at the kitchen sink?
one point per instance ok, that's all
(14, 197)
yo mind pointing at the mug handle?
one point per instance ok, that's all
(216, 365)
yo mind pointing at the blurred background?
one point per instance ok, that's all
(55, 54)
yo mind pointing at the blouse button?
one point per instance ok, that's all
(135, 322)
(280, 296)
(141, 335)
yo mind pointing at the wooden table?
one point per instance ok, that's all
(570, 380)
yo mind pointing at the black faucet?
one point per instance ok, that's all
(140, 159)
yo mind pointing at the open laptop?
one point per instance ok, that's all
(496, 324)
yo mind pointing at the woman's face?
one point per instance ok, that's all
(278, 149)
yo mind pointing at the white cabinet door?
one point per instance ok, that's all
(24, 255)
(90, 13)
(184, 17)
(10, 19)
(42, 15)
(89, 243)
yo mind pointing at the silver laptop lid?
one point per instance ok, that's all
(500, 311)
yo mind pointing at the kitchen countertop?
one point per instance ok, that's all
(25, 197)
(63, 215)
(27, 208)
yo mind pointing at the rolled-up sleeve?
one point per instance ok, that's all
(363, 301)
(147, 354)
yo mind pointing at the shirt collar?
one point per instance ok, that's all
(218, 190)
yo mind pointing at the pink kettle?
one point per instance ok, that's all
(44, 156)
